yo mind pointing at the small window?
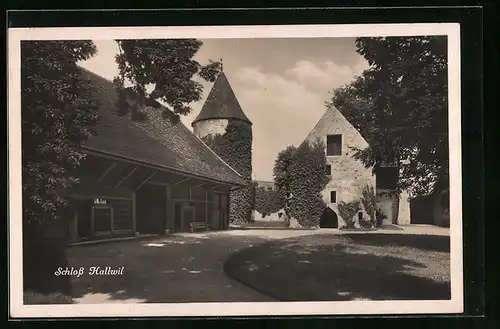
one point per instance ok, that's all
(333, 196)
(360, 215)
(269, 188)
(329, 170)
(334, 145)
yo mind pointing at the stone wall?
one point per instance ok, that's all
(348, 175)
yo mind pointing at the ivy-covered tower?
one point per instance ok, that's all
(225, 128)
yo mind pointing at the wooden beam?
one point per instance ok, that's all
(180, 182)
(127, 176)
(146, 164)
(107, 171)
(146, 180)
(165, 184)
(200, 185)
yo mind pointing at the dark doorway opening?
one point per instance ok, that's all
(421, 210)
(151, 209)
(329, 219)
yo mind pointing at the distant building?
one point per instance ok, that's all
(265, 184)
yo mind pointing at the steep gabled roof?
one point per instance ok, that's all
(334, 122)
(157, 140)
(221, 103)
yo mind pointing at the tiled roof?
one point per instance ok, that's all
(221, 103)
(157, 140)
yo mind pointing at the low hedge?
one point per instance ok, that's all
(268, 202)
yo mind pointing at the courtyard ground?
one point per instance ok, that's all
(323, 267)
(190, 267)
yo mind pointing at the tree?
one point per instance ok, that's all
(57, 114)
(282, 177)
(166, 67)
(400, 106)
(300, 176)
(308, 178)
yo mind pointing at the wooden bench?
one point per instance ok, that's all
(197, 225)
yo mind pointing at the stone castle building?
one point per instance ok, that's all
(348, 175)
(223, 127)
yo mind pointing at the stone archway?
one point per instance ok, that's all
(329, 219)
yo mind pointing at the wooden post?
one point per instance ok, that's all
(134, 210)
(74, 226)
(92, 232)
(206, 207)
(169, 212)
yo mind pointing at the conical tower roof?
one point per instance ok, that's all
(221, 103)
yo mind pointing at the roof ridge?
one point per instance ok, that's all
(222, 170)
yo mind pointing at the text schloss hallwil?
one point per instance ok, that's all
(92, 270)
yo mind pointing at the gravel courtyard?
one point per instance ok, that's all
(190, 267)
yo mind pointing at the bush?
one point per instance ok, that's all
(380, 217)
(369, 201)
(348, 210)
(307, 179)
(41, 257)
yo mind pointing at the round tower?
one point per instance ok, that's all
(225, 128)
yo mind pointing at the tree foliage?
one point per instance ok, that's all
(400, 106)
(162, 70)
(57, 114)
(308, 178)
(369, 201)
(268, 201)
(282, 176)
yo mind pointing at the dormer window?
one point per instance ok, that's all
(333, 145)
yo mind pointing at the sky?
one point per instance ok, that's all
(281, 84)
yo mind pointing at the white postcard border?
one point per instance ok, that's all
(17, 309)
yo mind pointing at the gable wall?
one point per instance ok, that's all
(348, 175)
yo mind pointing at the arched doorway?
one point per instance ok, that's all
(329, 219)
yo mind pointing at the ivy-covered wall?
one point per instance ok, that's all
(235, 147)
(268, 202)
(307, 179)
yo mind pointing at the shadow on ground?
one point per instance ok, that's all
(162, 270)
(421, 242)
(358, 267)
